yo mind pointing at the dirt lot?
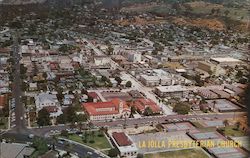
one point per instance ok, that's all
(138, 21)
(212, 24)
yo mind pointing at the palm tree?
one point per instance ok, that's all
(85, 137)
(214, 103)
(226, 123)
(68, 147)
(80, 125)
(92, 134)
(54, 140)
(238, 124)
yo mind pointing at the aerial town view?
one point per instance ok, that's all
(124, 78)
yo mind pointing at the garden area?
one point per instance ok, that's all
(232, 131)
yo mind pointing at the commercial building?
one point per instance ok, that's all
(113, 109)
(177, 91)
(226, 61)
(134, 57)
(150, 80)
(101, 60)
(211, 68)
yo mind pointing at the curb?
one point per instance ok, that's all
(97, 151)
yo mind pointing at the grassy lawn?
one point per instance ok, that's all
(100, 142)
(188, 153)
(3, 122)
(232, 131)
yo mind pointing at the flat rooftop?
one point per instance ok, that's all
(214, 123)
(9, 150)
(226, 152)
(177, 88)
(112, 95)
(179, 126)
(226, 59)
(205, 135)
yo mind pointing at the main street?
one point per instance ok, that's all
(76, 148)
(19, 108)
(131, 122)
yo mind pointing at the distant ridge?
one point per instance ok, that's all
(19, 2)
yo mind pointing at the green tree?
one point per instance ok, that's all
(104, 79)
(148, 111)
(61, 119)
(68, 147)
(239, 74)
(64, 133)
(226, 123)
(54, 140)
(238, 124)
(113, 152)
(43, 118)
(129, 84)
(181, 108)
(140, 155)
(119, 80)
(226, 12)
(110, 50)
(40, 145)
(23, 69)
(45, 75)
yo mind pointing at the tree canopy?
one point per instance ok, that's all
(43, 118)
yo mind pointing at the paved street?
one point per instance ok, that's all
(171, 118)
(76, 148)
(20, 126)
(137, 85)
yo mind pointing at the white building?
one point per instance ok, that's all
(124, 144)
(50, 102)
(134, 57)
(177, 91)
(150, 80)
(226, 61)
(102, 60)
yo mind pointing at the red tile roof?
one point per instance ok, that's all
(5, 50)
(121, 139)
(93, 95)
(142, 104)
(51, 109)
(53, 66)
(104, 108)
(3, 100)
